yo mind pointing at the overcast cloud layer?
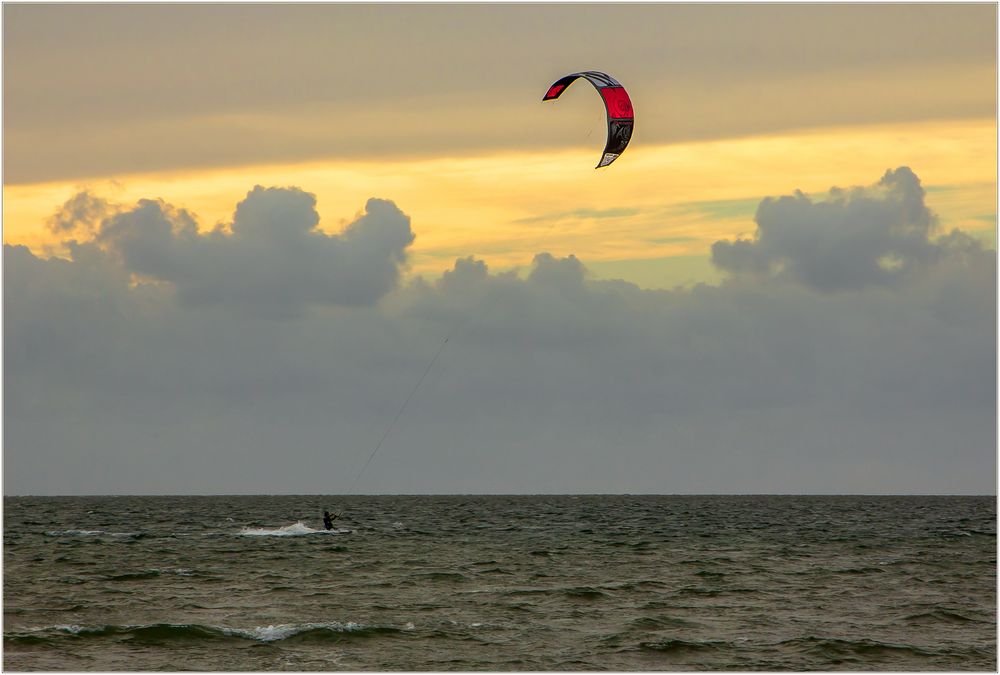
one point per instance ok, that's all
(90, 90)
(852, 348)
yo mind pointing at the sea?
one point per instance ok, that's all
(500, 583)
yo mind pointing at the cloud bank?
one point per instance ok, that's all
(851, 348)
(285, 86)
(854, 238)
(273, 259)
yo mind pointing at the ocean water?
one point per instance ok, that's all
(500, 583)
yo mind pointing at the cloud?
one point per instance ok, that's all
(592, 214)
(855, 238)
(788, 379)
(566, 273)
(82, 210)
(75, 106)
(272, 259)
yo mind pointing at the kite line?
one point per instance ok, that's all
(399, 413)
(463, 323)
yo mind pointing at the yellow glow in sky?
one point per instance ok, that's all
(656, 202)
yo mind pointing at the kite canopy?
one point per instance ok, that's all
(617, 103)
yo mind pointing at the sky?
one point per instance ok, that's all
(237, 236)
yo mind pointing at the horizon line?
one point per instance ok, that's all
(520, 494)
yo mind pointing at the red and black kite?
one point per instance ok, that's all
(617, 103)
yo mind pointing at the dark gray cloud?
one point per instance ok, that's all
(272, 259)
(853, 238)
(116, 381)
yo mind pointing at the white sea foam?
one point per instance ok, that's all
(92, 533)
(68, 628)
(179, 571)
(282, 631)
(297, 530)
(271, 633)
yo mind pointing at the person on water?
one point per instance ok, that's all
(328, 520)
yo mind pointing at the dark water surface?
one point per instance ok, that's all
(500, 583)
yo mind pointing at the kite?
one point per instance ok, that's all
(617, 103)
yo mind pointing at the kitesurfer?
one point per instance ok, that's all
(328, 520)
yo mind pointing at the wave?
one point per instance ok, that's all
(940, 616)
(494, 570)
(678, 645)
(653, 623)
(839, 648)
(637, 585)
(174, 632)
(587, 592)
(296, 530)
(441, 576)
(150, 574)
(30, 610)
(94, 533)
(584, 592)
(863, 569)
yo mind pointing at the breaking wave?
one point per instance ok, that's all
(296, 530)
(169, 632)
